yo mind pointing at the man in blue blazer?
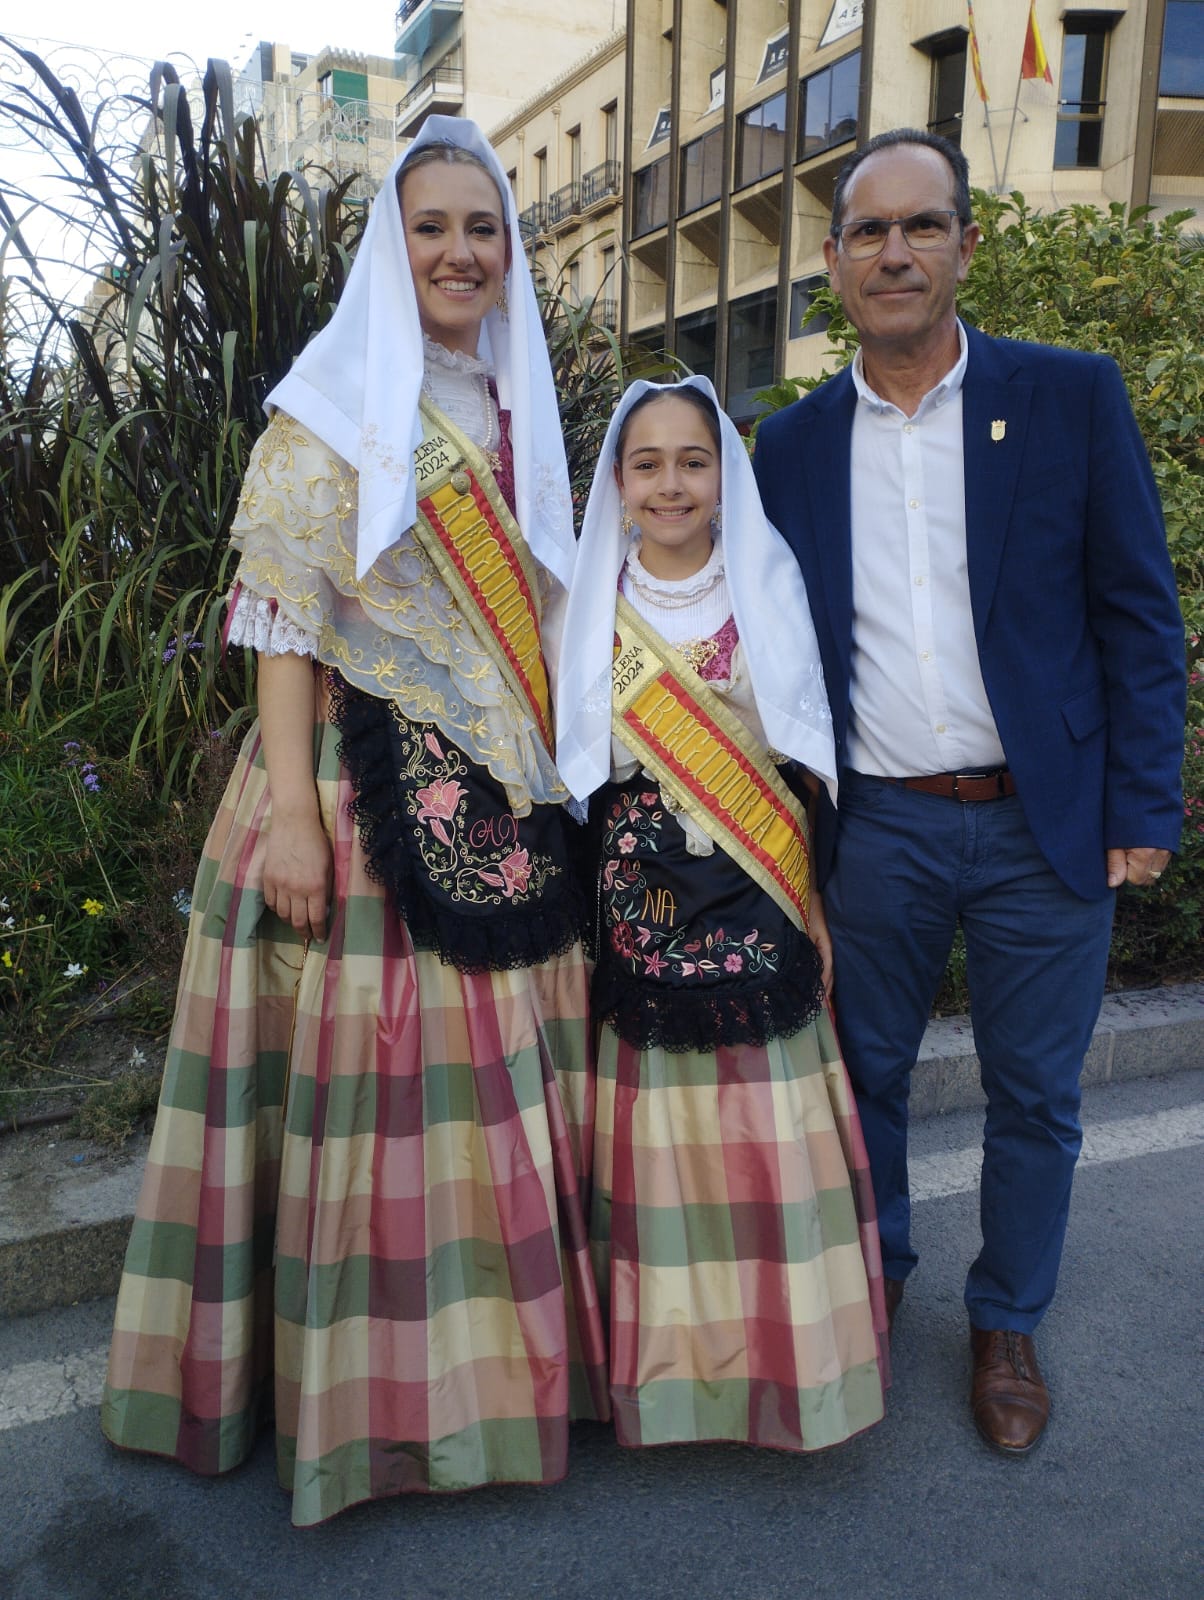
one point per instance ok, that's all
(987, 568)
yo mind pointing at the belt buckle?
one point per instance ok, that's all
(976, 777)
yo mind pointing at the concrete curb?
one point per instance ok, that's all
(66, 1210)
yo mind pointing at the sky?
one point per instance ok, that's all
(226, 28)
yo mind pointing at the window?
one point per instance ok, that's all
(761, 140)
(752, 324)
(1081, 92)
(696, 342)
(947, 95)
(574, 283)
(574, 138)
(828, 106)
(802, 292)
(541, 176)
(1183, 49)
(651, 187)
(610, 131)
(702, 171)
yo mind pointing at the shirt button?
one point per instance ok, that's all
(909, 427)
(914, 504)
(925, 655)
(940, 727)
(919, 583)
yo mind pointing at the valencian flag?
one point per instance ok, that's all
(975, 58)
(1034, 63)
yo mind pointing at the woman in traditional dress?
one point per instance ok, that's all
(732, 1217)
(363, 1204)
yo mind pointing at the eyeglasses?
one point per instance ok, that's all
(926, 230)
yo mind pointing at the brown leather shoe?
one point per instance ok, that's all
(893, 1288)
(1008, 1398)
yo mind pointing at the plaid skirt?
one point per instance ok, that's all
(736, 1245)
(362, 1209)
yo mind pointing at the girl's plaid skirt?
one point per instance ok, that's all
(362, 1210)
(736, 1244)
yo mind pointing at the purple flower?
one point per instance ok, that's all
(91, 782)
(71, 744)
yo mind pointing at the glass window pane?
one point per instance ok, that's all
(1074, 49)
(1183, 49)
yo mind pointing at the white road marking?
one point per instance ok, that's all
(958, 1171)
(38, 1391)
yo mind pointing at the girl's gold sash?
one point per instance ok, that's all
(466, 528)
(705, 760)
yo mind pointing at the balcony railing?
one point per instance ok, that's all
(443, 76)
(565, 203)
(534, 220)
(606, 312)
(599, 183)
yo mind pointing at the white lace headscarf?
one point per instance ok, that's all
(769, 602)
(356, 384)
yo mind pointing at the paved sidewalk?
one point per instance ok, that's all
(66, 1208)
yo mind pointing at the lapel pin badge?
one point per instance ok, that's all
(998, 428)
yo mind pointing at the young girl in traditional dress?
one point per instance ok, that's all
(732, 1217)
(362, 1209)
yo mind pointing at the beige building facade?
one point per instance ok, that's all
(563, 151)
(484, 58)
(742, 113)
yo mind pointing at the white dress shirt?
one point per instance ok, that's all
(917, 700)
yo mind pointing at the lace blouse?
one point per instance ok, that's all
(462, 387)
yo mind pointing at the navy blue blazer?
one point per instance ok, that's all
(1079, 632)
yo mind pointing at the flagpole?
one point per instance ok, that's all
(981, 85)
(986, 117)
(1007, 155)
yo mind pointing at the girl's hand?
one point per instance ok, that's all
(297, 872)
(820, 937)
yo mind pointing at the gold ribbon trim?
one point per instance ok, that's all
(704, 757)
(466, 528)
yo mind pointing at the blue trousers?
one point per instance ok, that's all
(909, 867)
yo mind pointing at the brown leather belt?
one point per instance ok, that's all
(996, 785)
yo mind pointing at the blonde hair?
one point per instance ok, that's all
(441, 150)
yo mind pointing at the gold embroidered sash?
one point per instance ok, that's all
(466, 528)
(704, 758)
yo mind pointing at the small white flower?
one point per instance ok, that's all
(182, 901)
(3, 905)
(10, 922)
(137, 1059)
(74, 970)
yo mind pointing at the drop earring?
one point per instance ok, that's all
(717, 520)
(503, 304)
(625, 521)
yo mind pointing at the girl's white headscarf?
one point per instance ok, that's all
(356, 384)
(769, 601)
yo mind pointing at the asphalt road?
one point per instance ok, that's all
(1109, 1506)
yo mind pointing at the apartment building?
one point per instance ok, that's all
(335, 110)
(739, 115)
(563, 151)
(483, 58)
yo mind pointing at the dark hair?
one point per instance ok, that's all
(443, 150)
(702, 403)
(958, 165)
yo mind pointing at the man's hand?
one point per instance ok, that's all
(1137, 866)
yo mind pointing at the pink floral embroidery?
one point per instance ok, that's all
(733, 963)
(433, 745)
(655, 964)
(512, 876)
(627, 843)
(438, 802)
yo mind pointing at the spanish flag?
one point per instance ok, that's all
(975, 58)
(1034, 63)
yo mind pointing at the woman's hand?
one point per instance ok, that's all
(297, 872)
(820, 937)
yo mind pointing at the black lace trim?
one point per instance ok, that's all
(680, 1019)
(502, 939)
